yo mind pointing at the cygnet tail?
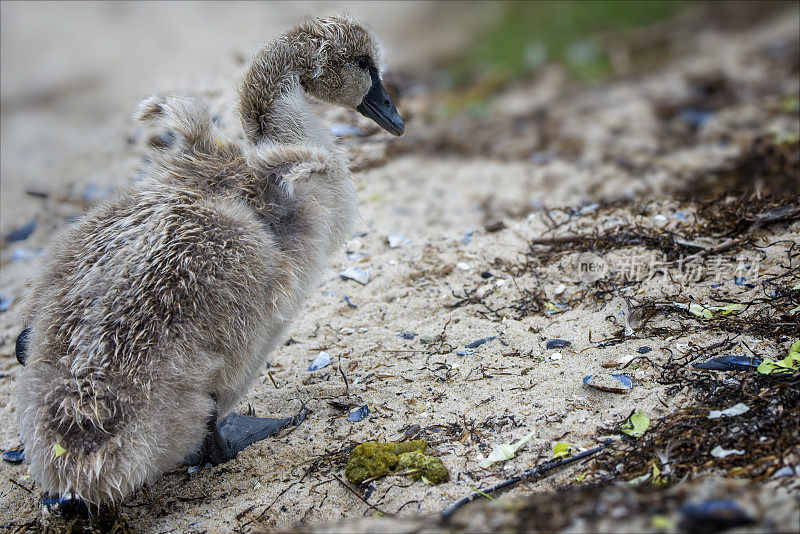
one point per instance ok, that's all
(94, 440)
(183, 114)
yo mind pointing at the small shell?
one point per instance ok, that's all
(359, 414)
(728, 363)
(323, 359)
(397, 240)
(558, 343)
(356, 273)
(14, 457)
(609, 382)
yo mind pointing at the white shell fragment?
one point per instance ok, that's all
(560, 288)
(504, 451)
(719, 452)
(397, 240)
(463, 266)
(736, 409)
(323, 359)
(356, 273)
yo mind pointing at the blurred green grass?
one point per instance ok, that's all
(527, 34)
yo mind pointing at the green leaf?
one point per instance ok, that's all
(789, 364)
(795, 347)
(561, 450)
(700, 311)
(580, 477)
(58, 450)
(637, 425)
(708, 312)
(658, 480)
(663, 523)
(730, 309)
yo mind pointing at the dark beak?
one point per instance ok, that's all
(378, 107)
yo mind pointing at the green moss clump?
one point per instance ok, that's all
(373, 458)
(434, 469)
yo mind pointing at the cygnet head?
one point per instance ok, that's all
(348, 73)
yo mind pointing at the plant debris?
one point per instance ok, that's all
(374, 459)
(637, 425)
(503, 451)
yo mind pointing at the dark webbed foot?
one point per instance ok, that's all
(21, 348)
(230, 435)
(64, 507)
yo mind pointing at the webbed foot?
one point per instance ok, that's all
(64, 507)
(230, 435)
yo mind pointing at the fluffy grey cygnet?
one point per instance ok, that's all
(155, 312)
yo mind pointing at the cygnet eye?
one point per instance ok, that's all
(363, 62)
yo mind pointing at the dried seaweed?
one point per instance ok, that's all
(767, 167)
(679, 444)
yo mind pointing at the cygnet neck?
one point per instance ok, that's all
(272, 105)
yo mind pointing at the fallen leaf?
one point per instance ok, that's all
(637, 425)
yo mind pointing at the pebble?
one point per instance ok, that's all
(359, 414)
(486, 275)
(322, 360)
(5, 303)
(560, 288)
(558, 343)
(712, 516)
(477, 343)
(556, 356)
(644, 349)
(407, 334)
(609, 382)
(22, 233)
(495, 226)
(356, 273)
(785, 471)
(465, 352)
(463, 266)
(696, 117)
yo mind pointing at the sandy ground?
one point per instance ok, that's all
(66, 134)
